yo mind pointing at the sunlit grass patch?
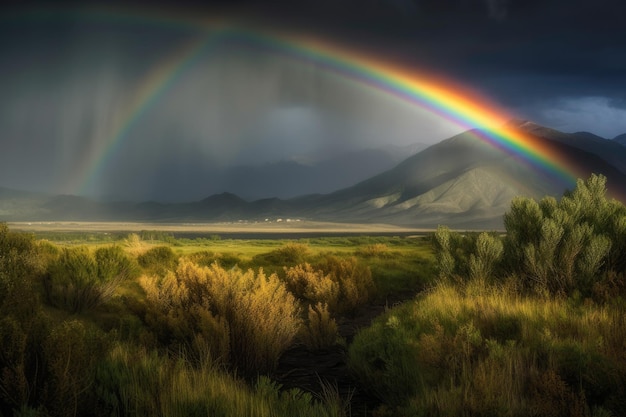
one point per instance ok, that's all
(483, 350)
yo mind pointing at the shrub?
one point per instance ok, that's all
(247, 317)
(342, 284)
(206, 258)
(20, 266)
(321, 329)
(488, 254)
(553, 247)
(291, 253)
(71, 351)
(313, 286)
(564, 246)
(356, 286)
(79, 280)
(158, 260)
(453, 252)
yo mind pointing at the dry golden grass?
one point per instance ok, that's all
(247, 317)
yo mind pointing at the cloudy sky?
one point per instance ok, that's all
(97, 98)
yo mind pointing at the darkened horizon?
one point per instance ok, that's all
(146, 102)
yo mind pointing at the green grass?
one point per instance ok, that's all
(480, 350)
(135, 382)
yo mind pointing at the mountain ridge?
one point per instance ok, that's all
(461, 181)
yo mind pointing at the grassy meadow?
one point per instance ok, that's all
(530, 322)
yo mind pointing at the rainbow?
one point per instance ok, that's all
(442, 97)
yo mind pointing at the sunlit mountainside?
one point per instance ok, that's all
(462, 181)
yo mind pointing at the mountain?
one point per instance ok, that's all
(462, 176)
(621, 139)
(611, 151)
(307, 174)
(463, 181)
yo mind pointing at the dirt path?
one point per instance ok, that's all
(304, 369)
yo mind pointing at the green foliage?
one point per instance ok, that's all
(552, 247)
(291, 253)
(152, 235)
(158, 260)
(20, 266)
(143, 383)
(488, 254)
(468, 256)
(445, 257)
(379, 250)
(563, 246)
(483, 351)
(71, 352)
(45, 365)
(206, 258)
(79, 280)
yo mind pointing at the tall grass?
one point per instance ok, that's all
(135, 382)
(488, 351)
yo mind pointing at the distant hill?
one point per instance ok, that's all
(288, 178)
(621, 139)
(609, 150)
(462, 181)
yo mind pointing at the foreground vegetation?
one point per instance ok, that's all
(146, 324)
(527, 323)
(532, 323)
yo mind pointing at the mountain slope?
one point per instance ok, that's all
(462, 181)
(610, 150)
(621, 139)
(459, 181)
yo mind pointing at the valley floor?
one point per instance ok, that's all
(272, 228)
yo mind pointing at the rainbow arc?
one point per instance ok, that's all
(442, 97)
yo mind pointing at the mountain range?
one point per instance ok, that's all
(462, 181)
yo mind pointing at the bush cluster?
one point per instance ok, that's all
(291, 253)
(158, 260)
(341, 284)
(246, 319)
(79, 280)
(572, 245)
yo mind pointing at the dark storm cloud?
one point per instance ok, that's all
(558, 62)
